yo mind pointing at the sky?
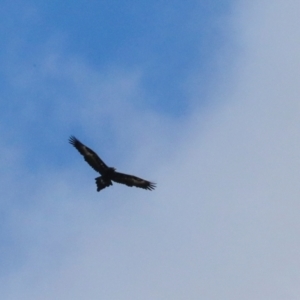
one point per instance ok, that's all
(200, 97)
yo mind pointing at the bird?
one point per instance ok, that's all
(108, 174)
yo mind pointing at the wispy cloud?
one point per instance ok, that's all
(223, 221)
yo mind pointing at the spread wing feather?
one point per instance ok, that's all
(89, 155)
(131, 180)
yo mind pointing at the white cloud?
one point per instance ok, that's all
(224, 220)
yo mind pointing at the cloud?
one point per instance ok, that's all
(224, 220)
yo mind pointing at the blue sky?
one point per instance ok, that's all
(157, 44)
(200, 97)
(167, 42)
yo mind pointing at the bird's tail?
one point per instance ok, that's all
(102, 183)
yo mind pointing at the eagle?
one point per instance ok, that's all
(108, 174)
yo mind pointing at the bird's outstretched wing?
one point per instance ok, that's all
(131, 180)
(89, 155)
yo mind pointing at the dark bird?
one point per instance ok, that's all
(108, 174)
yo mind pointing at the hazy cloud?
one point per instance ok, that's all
(224, 220)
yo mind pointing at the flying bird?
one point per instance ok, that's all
(108, 174)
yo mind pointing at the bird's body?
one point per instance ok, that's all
(108, 174)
